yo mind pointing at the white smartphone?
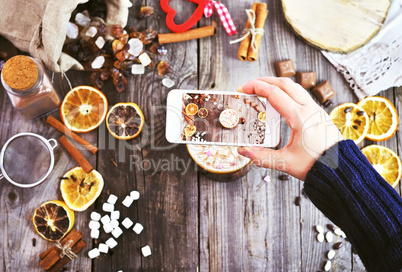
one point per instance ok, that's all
(221, 118)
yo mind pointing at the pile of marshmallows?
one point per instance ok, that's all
(111, 225)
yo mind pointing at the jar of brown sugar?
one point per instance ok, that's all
(28, 87)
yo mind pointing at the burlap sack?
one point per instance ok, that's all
(39, 27)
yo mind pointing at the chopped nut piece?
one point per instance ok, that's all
(148, 35)
(163, 68)
(116, 31)
(145, 12)
(157, 48)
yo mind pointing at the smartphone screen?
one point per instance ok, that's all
(229, 118)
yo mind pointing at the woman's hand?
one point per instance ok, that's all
(312, 133)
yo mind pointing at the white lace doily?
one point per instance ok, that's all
(377, 65)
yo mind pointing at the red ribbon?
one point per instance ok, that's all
(223, 15)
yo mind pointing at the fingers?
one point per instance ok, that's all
(279, 100)
(294, 90)
(264, 157)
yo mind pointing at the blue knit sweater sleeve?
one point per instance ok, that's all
(346, 188)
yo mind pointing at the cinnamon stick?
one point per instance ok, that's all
(188, 116)
(51, 256)
(77, 248)
(245, 44)
(191, 34)
(66, 131)
(261, 14)
(76, 154)
(188, 120)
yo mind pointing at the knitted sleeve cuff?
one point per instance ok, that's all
(346, 188)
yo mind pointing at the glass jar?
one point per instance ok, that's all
(28, 87)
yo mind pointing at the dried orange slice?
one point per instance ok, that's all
(383, 117)
(83, 109)
(351, 120)
(189, 130)
(80, 189)
(262, 116)
(125, 121)
(53, 220)
(203, 113)
(385, 161)
(191, 109)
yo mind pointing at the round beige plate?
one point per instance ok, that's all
(336, 25)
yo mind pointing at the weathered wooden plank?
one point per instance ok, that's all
(168, 207)
(20, 204)
(243, 223)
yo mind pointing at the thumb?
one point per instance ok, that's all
(264, 157)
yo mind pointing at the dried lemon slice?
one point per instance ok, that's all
(189, 130)
(383, 118)
(80, 189)
(125, 121)
(351, 120)
(53, 220)
(385, 161)
(262, 116)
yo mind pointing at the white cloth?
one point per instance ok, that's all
(376, 66)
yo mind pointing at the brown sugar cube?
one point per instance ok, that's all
(306, 79)
(247, 101)
(285, 68)
(257, 108)
(323, 92)
(252, 104)
(237, 96)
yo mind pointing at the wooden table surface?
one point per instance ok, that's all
(191, 223)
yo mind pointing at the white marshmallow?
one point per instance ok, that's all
(100, 42)
(91, 31)
(138, 228)
(95, 216)
(138, 69)
(103, 248)
(114, 223)
(111, 243)
(94, 225)
(117, 232)
(127, 223)
(93, 253)
(115, 215)
(112, 199)
(135, 195)
(107, 207)
(128, 201)
(95, 233)
(146, 251)
(105, 219)
(107, 228)
(145, 59)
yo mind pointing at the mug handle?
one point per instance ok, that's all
(52, 141)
